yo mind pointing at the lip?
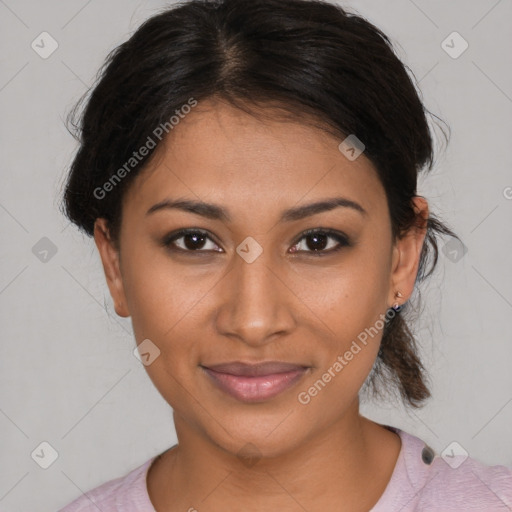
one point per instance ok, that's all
(255, 382)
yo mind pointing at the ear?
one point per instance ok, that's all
(406, 255)
(110, 258)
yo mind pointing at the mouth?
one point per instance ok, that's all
(255, 382)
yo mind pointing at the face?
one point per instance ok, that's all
(251, 286)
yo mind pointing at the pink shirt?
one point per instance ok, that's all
(421, 481)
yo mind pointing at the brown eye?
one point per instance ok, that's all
(317, 241)
(192, 241)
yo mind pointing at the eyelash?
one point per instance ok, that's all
(342, 240)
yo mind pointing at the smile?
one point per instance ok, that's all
(254, 383)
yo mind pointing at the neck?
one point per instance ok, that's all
(345, 467)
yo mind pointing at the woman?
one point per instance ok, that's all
(248, 170)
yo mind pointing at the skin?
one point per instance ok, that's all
(216, 307)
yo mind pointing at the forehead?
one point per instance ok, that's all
(252, 164)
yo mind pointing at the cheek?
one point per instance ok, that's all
(347, 353)
(161, 304)
(352, 296)
(164, 300)
(158, 293)
(352, 307)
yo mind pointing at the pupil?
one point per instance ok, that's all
(317, 237)
(195, 237)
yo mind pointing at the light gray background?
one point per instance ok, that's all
(68, 374)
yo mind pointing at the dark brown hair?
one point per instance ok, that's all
(315, 60)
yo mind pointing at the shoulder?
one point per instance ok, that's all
(451, 481)
(467, 484)
(127, 493)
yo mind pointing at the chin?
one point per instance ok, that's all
(258, 435)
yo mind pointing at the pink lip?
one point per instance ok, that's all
(255, 383)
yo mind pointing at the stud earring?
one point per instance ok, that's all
(396, 306)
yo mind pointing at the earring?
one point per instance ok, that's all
(396, 306)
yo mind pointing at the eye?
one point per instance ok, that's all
(193, 240)
(318, 241)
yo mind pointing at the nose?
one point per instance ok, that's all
(256, 303)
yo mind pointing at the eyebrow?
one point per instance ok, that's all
(216, 212)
